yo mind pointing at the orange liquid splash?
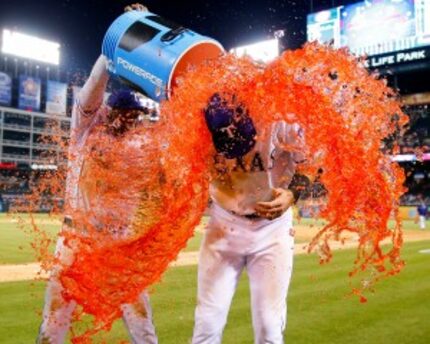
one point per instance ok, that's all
(148, 190)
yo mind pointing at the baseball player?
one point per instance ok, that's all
(422, 211)
(251, 222)
(124, 111)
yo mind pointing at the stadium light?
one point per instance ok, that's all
(31, 47)
(264, 51)
(410, 157)
(44, 167)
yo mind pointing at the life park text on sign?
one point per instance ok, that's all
(398, 57)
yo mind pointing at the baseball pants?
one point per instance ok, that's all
(422, 222)
(231, 244)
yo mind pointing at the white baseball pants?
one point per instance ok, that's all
(265, 249)
(422, 222)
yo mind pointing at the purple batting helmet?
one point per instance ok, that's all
(233, 132)
(126, 99)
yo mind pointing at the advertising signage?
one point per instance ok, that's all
(400, 57)
(375, 27)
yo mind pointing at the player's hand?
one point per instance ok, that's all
(136, 7)
(283, 199)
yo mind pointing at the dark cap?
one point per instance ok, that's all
(126, 99)
(233, 132)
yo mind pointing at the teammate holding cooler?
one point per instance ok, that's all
(88, 113)
(124, 110)
(251, 222)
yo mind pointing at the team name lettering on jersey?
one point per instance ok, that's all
(255, 165)
(252, 162)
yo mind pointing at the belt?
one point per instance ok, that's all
(252, 216)
(248, 216)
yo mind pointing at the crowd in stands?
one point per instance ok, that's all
(410, 199)
(413, 143)
(418, 133)
(15, 185)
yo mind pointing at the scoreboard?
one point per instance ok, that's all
(376, 27)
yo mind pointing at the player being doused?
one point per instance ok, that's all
(251, 220)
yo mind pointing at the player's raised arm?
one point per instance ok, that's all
(90, 97)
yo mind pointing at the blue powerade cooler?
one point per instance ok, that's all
(149, 53)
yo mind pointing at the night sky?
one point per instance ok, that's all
(79, 26)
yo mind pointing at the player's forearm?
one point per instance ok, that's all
(90, 98)
(91, 95)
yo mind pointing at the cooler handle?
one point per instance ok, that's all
(172, 34)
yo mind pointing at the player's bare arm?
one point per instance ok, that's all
(90, 97)
(283, 199)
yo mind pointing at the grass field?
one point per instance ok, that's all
(319, 310)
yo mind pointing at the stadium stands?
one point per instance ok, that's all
(25, 136)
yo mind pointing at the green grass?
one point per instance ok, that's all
(193, 243)
(15, 240)
(319, 312)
